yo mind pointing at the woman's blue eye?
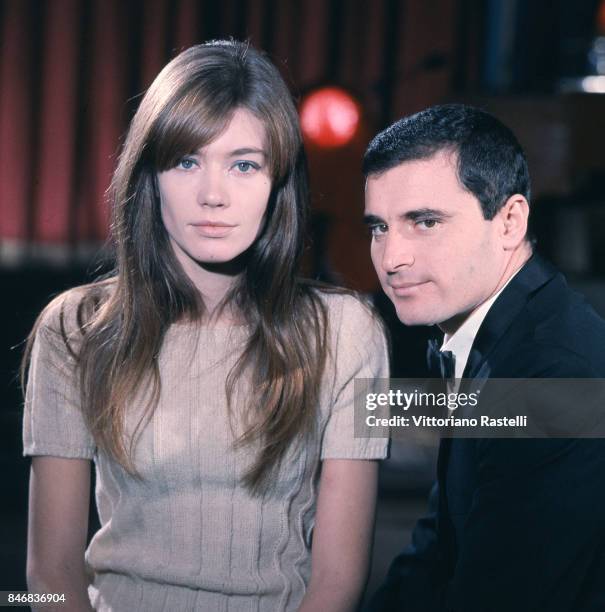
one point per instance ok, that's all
(186, 163)
(245, 166)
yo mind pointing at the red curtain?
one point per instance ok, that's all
(71, 72)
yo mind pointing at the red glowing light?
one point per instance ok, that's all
(601, 18)
(329, 117)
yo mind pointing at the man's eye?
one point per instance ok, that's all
(245, 166)
(186, 163)
(427, 223)
(378, 230)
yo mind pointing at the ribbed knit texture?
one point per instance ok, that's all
(189, 536)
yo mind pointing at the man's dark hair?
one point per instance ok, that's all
(491, 162)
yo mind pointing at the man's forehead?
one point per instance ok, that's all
(445, 162)
(412, 193)
(408, 188)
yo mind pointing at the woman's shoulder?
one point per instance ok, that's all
(70, 310)
(357, 338)
(341, 302)
(350, 311)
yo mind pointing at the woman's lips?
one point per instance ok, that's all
(210, 229)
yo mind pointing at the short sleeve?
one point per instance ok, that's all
(53, 423)
(360, 351)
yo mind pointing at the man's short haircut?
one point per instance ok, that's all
(491, 162)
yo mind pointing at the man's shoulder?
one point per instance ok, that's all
(557, 333)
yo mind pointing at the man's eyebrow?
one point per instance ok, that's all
(247, 151)
(410, 215)
(372, 219)
(421, 213)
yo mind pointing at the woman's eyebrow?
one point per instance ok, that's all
(247, 151)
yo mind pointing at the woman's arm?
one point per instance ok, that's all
(59, 499)
(342, 538)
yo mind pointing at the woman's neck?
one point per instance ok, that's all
(214, 282)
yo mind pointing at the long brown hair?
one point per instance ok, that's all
(123, 320)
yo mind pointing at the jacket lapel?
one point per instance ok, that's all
(513, 299)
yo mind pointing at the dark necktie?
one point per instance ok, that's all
(441, 363)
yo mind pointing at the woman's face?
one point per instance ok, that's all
(213, 201)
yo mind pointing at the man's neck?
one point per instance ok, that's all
(517, 260)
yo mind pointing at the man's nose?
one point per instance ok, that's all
(397, 254)
(212, 190)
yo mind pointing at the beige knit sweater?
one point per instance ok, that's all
(188, 536)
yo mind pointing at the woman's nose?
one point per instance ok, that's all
(212, 191)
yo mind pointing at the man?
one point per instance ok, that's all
(518, 524)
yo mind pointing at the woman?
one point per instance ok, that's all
(211, 386)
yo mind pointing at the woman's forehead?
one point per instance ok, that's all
(243, 133)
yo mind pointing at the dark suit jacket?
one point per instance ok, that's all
(516, 524)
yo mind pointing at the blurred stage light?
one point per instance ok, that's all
(329, 117)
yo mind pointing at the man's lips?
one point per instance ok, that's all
(404, 288)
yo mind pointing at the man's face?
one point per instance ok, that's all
(437, 258)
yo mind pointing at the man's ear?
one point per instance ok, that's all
(513, 218)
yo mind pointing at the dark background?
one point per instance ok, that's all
(71, 75)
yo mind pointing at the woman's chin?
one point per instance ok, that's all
(227, 263)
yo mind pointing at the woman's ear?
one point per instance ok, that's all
(513, 217)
